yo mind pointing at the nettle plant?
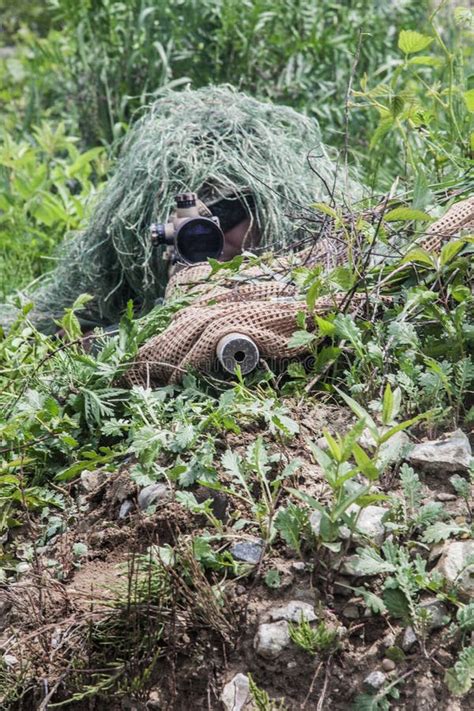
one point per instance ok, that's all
(424, 104)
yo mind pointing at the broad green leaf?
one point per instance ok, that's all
(450, 250)
(469, 99)
(410, 41)
(301, 339)
(365, 464)
(405, 214)
(397, 604)
(420, 255)
(427, 60)
(327, 328)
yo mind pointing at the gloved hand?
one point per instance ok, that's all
(264, 308)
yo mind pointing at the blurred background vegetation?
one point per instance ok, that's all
(75, 75)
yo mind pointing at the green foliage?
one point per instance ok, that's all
(120, 54)
(262, 700)
(314, 640)
(423, 106)
(460, 677)
(45, 186)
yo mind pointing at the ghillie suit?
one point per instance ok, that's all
(216, 142)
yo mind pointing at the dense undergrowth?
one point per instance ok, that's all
(403, 364)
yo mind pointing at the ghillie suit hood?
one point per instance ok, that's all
(216, 142)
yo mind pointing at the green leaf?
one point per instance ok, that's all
(450, 250)
(290, 522)
(469, 99)
(410, 41)
(459, 678)
(369, 562)
(427, 60)
(301, 339)
(419, 255)
(272, 578)
(397, 604)
(441, 531)
(372, 601)
(365, 464)
(384, 126)
(387, 405)
(361, 413)
(327, 209)
(327, 328)
(405, 214)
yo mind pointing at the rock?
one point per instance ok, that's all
(453, 564)
(450, 453)
(294, 611)
(271, 639)
(298, 566)
(438, 611)
(409, 639)
(391, 451)
(125, 508)
(369, 524)
(92, 480)
(236, 693)
(10, 660)
(388, 665)
(248, 551)
(349, 566)
(158, 493)
(374, 682)
(218, 498)
(444, 496)
(351, 612)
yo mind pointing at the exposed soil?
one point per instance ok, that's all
(49, 614)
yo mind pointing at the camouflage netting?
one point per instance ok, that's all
(214, 141)
(262, 305)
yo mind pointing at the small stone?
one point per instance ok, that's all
(390, 451)
(155, 701)
(388, 665)
(271, 639)
(374, 682)
(158, 493)
(10, 660)
(450, 453)
(248, 551)
(298, 566)
(236, 693)
(444, 496)
(409, 639)
(351, 612)
(219, 501)
(369, 524)
(454, 566)
(294, 611)
(92, 480)
(125, 508)
(438, 611)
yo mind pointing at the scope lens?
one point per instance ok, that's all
(198, 239)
